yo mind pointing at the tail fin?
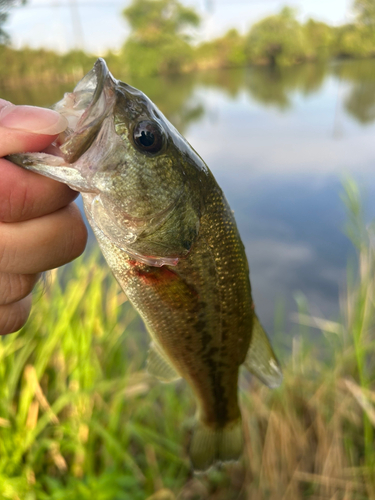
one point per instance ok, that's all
(209, 445)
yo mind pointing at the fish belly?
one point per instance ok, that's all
(199, 313)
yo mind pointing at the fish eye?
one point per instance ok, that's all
(148, 136)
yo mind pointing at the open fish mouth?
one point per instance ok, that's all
(85, 109)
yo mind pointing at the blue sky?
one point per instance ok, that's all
(97, 25)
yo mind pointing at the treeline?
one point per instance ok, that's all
(29, 65)
(161, 42)
(282, 40)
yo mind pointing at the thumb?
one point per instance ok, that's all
(27, 128)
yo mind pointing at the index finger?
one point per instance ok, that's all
(25, 195)
(27, 128)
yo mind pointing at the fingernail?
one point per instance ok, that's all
(32, 119)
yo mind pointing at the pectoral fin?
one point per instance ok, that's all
(159, 366)
(260, 359)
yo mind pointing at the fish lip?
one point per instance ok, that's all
(85, 108)
(102, 72)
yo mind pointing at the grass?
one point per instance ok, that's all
(80, 419)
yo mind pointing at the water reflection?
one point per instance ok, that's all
(277, 142)
(269, 86)
(274, 86)
(360, 102)
(174, 96)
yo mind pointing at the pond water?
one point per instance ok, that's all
(279, 143)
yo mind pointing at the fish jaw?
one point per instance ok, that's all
(134, 198)
(54, 167)
(85, 109)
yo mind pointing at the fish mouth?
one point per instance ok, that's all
(85, 109)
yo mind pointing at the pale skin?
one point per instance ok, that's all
(40, 226)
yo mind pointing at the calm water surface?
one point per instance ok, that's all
(279, 144)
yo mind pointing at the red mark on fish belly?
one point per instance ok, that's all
(171, 289)
(133, 263)
(155, 275)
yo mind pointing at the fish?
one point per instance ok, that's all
(170, 238)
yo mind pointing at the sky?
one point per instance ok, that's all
(97, 25)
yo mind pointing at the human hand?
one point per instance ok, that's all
(40, 227)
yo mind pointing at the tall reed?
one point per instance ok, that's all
(80, 418)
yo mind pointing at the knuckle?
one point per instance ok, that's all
(14, 316)
(15, 204)
(6, 203)
(5, 245)
(14, 287)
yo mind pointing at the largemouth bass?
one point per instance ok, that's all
(170, 238)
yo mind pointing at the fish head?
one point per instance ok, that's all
(140, 180)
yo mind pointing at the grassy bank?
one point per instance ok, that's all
(79, 418)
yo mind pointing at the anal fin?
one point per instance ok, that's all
(260, 359)
(159, 366)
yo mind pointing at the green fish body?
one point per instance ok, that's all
(170, 238)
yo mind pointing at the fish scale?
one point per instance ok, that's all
(170, 238)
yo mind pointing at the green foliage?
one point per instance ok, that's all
(158, 42)
(75, 421)
(36, 65)
(173, 95)
(169, 55)
(365, 10)
(5, 5)
(274, 86)
(161, 37)
(79, 418)
(150, 19)
(225, 52)
(360, 102)
(361, 307)
(319, 38)
(277, 40)
(354, 40)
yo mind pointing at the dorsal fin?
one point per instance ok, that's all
(159, 366)
(260, 359)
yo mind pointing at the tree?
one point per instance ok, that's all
(277, 40)
(365, 10)
(320, 38)
(5, 5)
(225, 52)
(159, 40)
(354, 40)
